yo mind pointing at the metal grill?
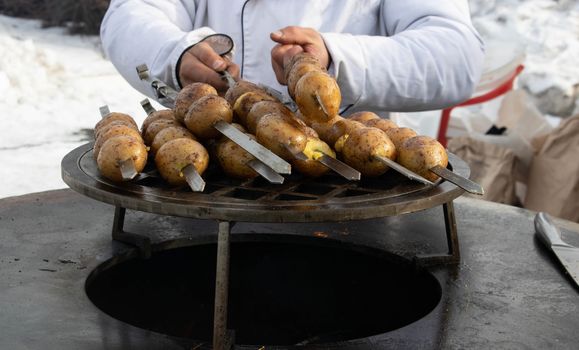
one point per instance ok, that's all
(299, 199)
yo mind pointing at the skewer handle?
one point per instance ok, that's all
(104, 111)
(147, 106)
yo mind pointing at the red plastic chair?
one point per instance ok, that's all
(494, 93)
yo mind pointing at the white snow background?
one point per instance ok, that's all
(52, 84)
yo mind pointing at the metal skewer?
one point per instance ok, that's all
(271, 160)
(194, 180)
(333, 164)
(265, 172)
(127, 166)
(402, 170)
(462, 182)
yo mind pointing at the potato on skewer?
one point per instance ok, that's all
(420, 154)
(119, 151)
(167, 134)
(112, 131)
(188, 95)
(156, 115)
(114, 116)
(175, 156)
(205, 113)
(318, 96)
(157, 126)
(363, 149)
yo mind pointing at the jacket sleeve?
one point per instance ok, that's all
(429, 57)
(134, 32)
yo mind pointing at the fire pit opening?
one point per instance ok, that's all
(284, 290)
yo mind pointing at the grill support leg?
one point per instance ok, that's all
(453, 255)
(120, 235)
(222, 337)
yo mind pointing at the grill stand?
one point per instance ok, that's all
(223, 338)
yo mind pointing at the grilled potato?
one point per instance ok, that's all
(114, 116)
(361, 148)
(280, 135)
(167, 134)
(420, 153)
(111, 131)
(318, 96)
(176, 154)
(118, 149)
(204, 113)
(160, 114)
(399, 135)
(188, 95)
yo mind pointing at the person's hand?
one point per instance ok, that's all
(202, 64)
(293, 40)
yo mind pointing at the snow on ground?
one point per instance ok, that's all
(51, 88)
(52, 84)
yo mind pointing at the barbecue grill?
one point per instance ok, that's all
(227, 201)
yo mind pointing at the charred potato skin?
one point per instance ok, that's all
(421, 153)
(189, 95)
(118, 149)
(176, 154)
(204, 113)
(363, 145)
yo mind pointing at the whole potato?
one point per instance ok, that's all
(112, 117)
(280, 135)
(156, 115)
(399, 135)
(382, 124)
(240, 88)
(340, 128)
(246, 101)
(296, 72)
(318, 96)
(361, 148)
(168, 134)
(233, 159)
(106, 127)
(262, 108)
(176, 154)
(420, 153)
(325, 129)
(118, 149)
(363, 117)
(112, 131)
(157, 126)
(204, 113)
(188, 95)
(301, 58)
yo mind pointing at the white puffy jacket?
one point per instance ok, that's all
(387, 55)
